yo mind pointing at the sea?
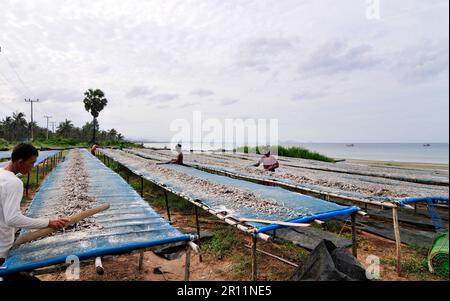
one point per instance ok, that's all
(395, 152)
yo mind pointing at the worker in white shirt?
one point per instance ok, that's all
(23, 158)
(269, 162)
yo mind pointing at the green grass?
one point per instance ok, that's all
(296, 253)
(410, 266)
(242, 264)
(293, 152)
(223, 242)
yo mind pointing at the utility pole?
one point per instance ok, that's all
(31, 125)
(53, 126)
(47, 117)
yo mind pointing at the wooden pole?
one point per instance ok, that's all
(354, 242)
(167, 205)
(254, 262)
(141, 260)
(187, 266)
(197, 223)
(397, 239)
(28, 183)
(34, 235)
(37, 175)
(274, 256)
(142, 186)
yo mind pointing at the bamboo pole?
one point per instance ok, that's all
(354, 242)
(254, 261)
(167, 205)
(197, 223)
(187, 265)
(72, 220)
(141, 260)
(397, 239)
(28, 183)
(281, 223)
(98, 266)
(274, 256)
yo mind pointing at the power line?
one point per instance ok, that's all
(17, 74)
(17, 89)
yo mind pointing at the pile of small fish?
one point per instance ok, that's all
(233, 198)
(74, 198)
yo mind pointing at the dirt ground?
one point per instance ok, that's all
(216, 267)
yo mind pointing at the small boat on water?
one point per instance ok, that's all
(350, 145)
(427, 145)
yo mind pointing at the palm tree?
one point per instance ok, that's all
(112, 135)
(94, 102)
(65, 128)
(20, 126)
(8, 127)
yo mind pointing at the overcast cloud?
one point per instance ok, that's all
(325, 70)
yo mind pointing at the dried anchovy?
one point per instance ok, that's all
(235, 198)
(74, 198)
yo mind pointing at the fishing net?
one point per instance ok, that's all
(438, 256)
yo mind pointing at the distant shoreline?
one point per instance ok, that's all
(405, 165)
(388, 153)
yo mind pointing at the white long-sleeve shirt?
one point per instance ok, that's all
(11, 218)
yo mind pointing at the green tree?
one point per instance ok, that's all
(65, 129)
(7, 128)
(20, 126)
(94, 103)
(112, 135)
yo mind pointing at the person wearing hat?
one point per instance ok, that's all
(269, 162)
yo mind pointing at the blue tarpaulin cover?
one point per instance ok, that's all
(5, 154)
(262, 177)
(43, 155)
(306, 207)
(129, 224)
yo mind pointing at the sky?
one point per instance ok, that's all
(329, 71)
